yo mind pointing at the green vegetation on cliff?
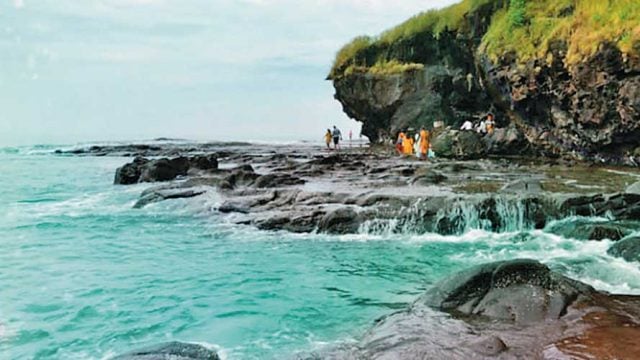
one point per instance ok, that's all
(526, 28)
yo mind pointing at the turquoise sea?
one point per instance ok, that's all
(85, 276)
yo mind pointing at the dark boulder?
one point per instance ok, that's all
(171, 351)
(463, 145)
(145, 170)
(519, 291)
(628, 249)
(588, 230)
(507, 141)
(130, 173)
(164, 169)
(204, 162)
(340, 221)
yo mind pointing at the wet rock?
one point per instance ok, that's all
(582, 205)
(145, 170)
(606, 232)
(489, 346)
(164, 169)
(340, 221)
(204, 162)
(300, 223)
(366, 200)
(166, 194)
(427, 178)
(507, 141)
(463, 145)
(243, 176)
(130, 173)
(519, 291)
(277, 180)
(406, 171)
(234, 207)
(586, 230)
(171, 351)
(523, 186)
(628, 249)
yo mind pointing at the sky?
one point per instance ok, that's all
(106, 70)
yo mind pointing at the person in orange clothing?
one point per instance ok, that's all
(424, 143)
(491, 125)
(400, 142)
(407, 144)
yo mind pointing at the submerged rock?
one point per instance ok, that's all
(171, 351)
(628, 249)
(587, 230)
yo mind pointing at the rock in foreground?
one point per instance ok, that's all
(517, 309)
(171, 351)
(519, 291)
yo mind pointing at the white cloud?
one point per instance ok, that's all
(18, 4)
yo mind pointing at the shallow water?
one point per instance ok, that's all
(85, 276)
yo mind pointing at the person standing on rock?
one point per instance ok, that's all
(490, 124)
(337, 136)
(407, 144)
(424, 143)
(327, 138)
(482, 128)
(400, 143)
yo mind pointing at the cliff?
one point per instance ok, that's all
(565, 74)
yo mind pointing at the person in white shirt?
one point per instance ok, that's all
(482, 128)
(468, 125)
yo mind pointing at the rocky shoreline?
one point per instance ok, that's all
(514, 309)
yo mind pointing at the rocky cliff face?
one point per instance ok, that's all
(588, 110)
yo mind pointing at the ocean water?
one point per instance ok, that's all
(85, 276)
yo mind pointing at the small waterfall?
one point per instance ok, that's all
(513, 215)
(499, 214)
(458, 216)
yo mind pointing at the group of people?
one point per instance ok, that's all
(334, 136)
(409, 144)
(485, 127)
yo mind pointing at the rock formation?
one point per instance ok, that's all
(550, 73)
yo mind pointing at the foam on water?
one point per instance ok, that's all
(85, 276)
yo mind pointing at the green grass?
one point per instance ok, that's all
(433, 21)
(384, 68)
(345, 57)
(524, 27)
(531, 26)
